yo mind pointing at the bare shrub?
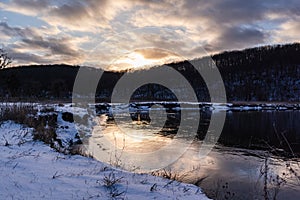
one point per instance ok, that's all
(45, 131)
(168, 173)
(110, 181)
(19, 113)
(272, 182)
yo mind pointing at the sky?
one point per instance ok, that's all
(124, 34)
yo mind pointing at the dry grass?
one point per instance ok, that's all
(111, 182)
(19, 113)
(26, 114)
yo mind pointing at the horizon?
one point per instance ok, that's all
(158, 65)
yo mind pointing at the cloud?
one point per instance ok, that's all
(48, 50)
(218, 25)
(239, 37)
(143, 59)
(27, 7)
(56, 46)
(288, 31)
(31, 4)
(70, 14)
(41, 46)
(152, 53)
(74, 27)
(77, 15)
(28, 58)
(9, 31)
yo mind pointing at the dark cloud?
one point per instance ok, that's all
(25, 58)
(33, 55)
(81, 15)
(74, 10)
(32, 4)
(27, 7)
(237, 11)
(57, 46)
(240, 37)
(15, 31)
(32, 47)
(230, 38)
(20, 57)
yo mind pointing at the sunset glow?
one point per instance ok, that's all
(136, 60)
(48, 32)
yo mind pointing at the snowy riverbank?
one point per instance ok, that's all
(32, 170)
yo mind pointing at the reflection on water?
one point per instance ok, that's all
(225, 169)
(134, 137)
(241, 169)
(134, 145)
(251, 128)
(245, 126)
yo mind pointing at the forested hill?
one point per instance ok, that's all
(268, 73)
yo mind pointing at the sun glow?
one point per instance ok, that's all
(136, 60)
(142, 59)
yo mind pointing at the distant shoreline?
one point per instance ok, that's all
(234, 103)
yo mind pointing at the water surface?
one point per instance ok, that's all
(235, 165)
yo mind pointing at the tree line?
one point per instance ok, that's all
(267, 73)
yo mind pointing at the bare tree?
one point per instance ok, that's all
(5, 60)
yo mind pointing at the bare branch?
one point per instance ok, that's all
(5, 60)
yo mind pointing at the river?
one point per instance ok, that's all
(257, 151)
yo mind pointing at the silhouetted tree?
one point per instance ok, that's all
(5, 60)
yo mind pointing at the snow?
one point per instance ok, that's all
(32, 170)
(66, 131)
(241, 106)
(13, 137)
